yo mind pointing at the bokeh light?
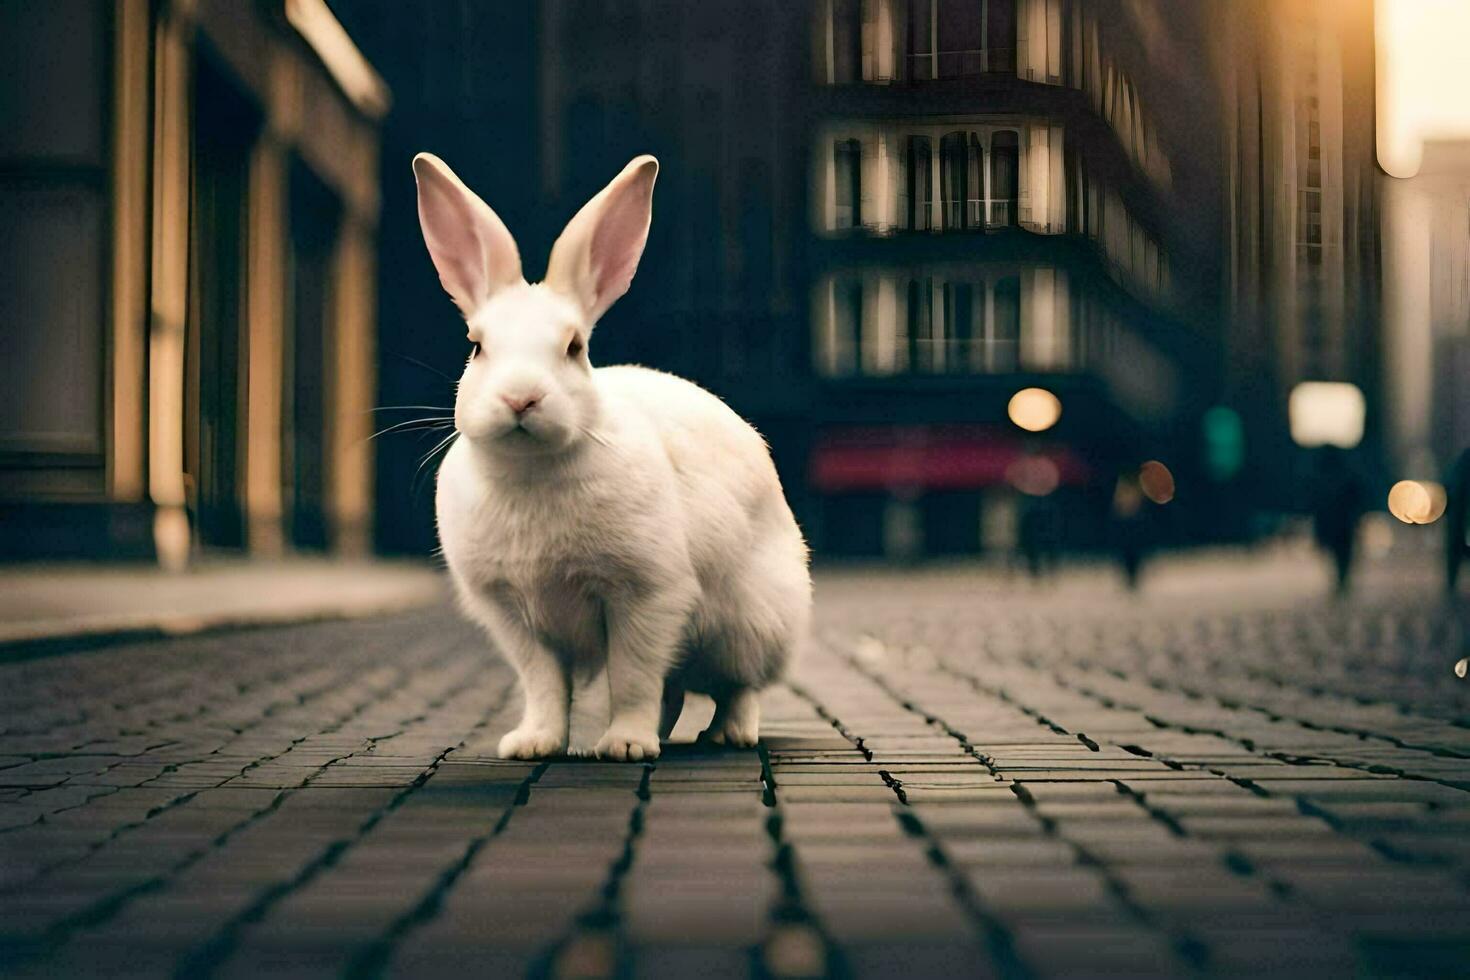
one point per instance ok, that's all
(1417, 501)
(1034, 409)
(1376, 534)
(1327, 413)
(1035, 476)
(1156, 482)
(1224, 442)
(1422, 76)
(1127, 497)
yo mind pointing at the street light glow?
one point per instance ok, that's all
(1035, 476)
(1422, 78)
(1156, 482)
(1417, 501)
(1034, 409)
(1326, 413)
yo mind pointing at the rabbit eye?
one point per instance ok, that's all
(574, 347)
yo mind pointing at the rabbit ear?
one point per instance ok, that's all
(594, 259)
(468, 242)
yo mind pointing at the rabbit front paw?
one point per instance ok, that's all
(527, 742)
(627, 744)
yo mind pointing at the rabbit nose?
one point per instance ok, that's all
(521, 405)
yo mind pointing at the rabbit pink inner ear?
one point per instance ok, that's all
(598, 252)
(472, 250)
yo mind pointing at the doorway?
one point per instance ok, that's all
(315, 216)
(225, 127)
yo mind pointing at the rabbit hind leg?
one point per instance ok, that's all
(737, 718)
(671, 706)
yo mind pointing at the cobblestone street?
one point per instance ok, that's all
(963, 777)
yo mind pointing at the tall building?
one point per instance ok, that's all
(878, 219)
(465, 77)
(989, 211)
(1302, 225)
(190, 194)
(718, 91)
(1426, 313)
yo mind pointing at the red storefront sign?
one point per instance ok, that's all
(928, 458)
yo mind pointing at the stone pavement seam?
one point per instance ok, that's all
(791, 910)
(990, 930)
(1193, 951)
(373, 959)
(598, 926)
(109, 907)
(1234, 704)
(1249, 744)
(1304, 805)
(208, 956)
(122, 830)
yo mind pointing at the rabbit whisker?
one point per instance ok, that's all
(430, 423)
(596, 437)
(418, 363)
(412, 408)
(428, 457)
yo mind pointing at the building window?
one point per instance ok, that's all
(919, 184)
(1004, 341)
(1005, 169)
(959, 316)
(921, 39)
(847, 158)
(958, 38)
(961, 30)
(1309, 218)
(975, 192)
(849, 311)
(878, 324)
(839, 329)
(920, 326)
(954, 176)
(847, 40)
(1000, 35)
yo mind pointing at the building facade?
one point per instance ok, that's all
(1302, 229)
(988, 208)
(876, 221)
(191, 193)
(1426, 313)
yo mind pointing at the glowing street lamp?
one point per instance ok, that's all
(1034, 409)
(1416, 501)
(1326, 413)
(1156, 482)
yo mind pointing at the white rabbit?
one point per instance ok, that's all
(593, 517)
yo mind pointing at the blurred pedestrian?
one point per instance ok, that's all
(1337, 506)
(1130, 514)
(1038, 535)
(1457, 519)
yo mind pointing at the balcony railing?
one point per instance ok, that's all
(973, 213)
(953, 214)
(927, 66)
(924, 216)
(954, 64)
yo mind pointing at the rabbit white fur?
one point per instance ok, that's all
(593, 517)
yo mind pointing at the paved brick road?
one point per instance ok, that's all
(963, 778)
